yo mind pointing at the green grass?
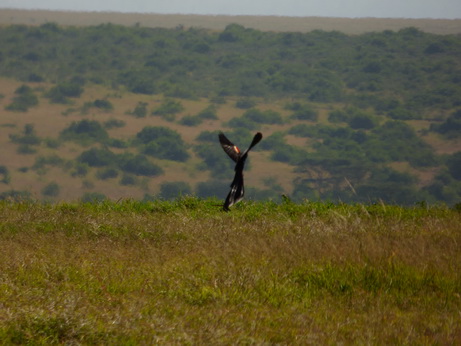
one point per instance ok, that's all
(185, 272)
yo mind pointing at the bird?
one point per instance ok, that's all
(237, 190)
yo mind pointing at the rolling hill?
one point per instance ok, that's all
(134, 112)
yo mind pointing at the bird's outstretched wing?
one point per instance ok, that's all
(256, 139)
(237, 190)
(232, 150)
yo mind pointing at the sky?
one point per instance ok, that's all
(447, 9)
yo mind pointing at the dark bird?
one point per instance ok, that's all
(237, 189)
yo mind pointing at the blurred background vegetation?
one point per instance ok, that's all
(376, 87)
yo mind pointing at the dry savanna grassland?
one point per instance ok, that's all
(184, 272)
(50, 119)
(27, 173)
(125, 271)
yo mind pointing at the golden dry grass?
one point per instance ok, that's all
(184, 272)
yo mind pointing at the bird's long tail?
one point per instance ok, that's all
(236, 192)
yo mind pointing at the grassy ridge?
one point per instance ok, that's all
(352, 26)
(186, 272)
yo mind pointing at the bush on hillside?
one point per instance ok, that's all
(29, 137)
(168, 109)
(163, 143)
(97, 157)
(24, 99)
(51, 190)
(302, 111)
(61, 92)
(85, 131)
(138, 165)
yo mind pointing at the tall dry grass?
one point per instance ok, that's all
(185, 272)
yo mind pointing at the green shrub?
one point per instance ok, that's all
(173, 190)
(208, 136)
(451, 127)
(401, 113)
(288, 154)
(168, 149)
(362, 121)
(214, 159)
(302, 111)
(117, 143)
(35, 78)
(242, 123)
(26, 149)
(245, 103)
(61, 92)
(338, 116)
(79, 169)
(24, 99)
(263, 117)
(191, 120)
(16, 195)
(399, 142)
(273, 141)
(114, 123)
(153, 133)
(107, 173)
(128, 179)
(103, 104)
(138, 82)
(96, 157)
(51, 190)
(50, 160)
(52, 143)
(138, 165)
(6, 175)
(208, 113)
(163, 143)
(85, 131)
(168, 109)
(29, 136)
(140, 111)
(252, 118)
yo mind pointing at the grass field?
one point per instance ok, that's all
(185, 272)
(353, 26)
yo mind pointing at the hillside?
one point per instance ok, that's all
(134, 112)
(353, 26)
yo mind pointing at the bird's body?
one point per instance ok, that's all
(237, 187)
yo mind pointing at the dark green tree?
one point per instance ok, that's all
(163, 143)
(51, 190)
(96, 157)
(84, 131)
(138, 165)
